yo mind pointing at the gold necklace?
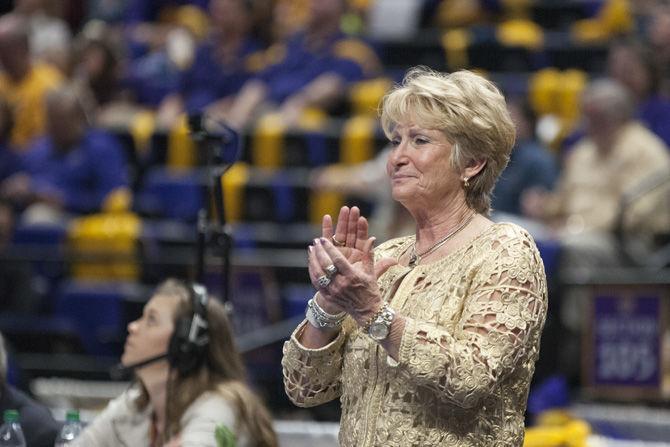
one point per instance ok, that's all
(415, 258)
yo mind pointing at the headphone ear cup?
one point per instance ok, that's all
(186, 353)
(180, 351)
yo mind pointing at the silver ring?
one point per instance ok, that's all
(323, 281)
(331, 270)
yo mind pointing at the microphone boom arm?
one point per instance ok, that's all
(212, 219)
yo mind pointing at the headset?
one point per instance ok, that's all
(189, 342)
(188, 345)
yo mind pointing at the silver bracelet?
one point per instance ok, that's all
(321, 319)
(318, 309)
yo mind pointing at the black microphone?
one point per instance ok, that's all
(121, 371)
(196, 125)
(222, 143)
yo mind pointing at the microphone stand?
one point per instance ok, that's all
(211, 227)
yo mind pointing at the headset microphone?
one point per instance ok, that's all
(121, 371)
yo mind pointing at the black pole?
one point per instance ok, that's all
(212, 218)
(223, 239)
(201, 245)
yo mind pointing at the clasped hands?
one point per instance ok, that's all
(342, 267)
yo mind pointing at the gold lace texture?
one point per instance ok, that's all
(466, 359)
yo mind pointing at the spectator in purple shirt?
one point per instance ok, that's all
(310, 69)
(74, 168)
(221, 64)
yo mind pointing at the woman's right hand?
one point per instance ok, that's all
(350, 235)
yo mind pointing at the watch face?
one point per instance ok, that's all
(378, 331)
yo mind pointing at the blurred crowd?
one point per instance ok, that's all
(72, 68)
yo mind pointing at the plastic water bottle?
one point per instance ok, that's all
(11, 434)
(70, 430)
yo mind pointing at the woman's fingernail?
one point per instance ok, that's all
(323, 240)
(310, 248)
(317, 241)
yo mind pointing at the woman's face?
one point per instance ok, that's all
(149, 336)
(418, 165)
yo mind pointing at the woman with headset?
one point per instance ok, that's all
(190, 387)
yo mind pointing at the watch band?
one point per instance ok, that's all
(366, 326)
(380, 328)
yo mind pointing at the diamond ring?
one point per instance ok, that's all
(323, 281)
(331, 270)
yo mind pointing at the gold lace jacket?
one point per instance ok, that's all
(467, 355)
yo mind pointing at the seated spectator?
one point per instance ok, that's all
(24, 84)
(615, 157)
(158, 51)
(96, 65)
(221, 64)
(151, 77)
(75, 168)
(635, 66)
(199, 389)
(312, 68)
(39, 427)
(614, 161)
(50, 38)
(531, 165)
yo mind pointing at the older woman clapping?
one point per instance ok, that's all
(430, 339)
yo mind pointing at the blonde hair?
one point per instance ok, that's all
(469, 110)
(223, 372)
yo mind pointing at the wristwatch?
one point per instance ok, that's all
(380, 327)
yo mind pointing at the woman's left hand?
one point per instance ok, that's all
(351, 232)
(354, 286)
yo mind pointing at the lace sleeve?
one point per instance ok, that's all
(498, 332)
(312, 376)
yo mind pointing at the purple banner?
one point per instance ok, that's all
(626, 337)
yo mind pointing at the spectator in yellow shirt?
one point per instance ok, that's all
(23, 84)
